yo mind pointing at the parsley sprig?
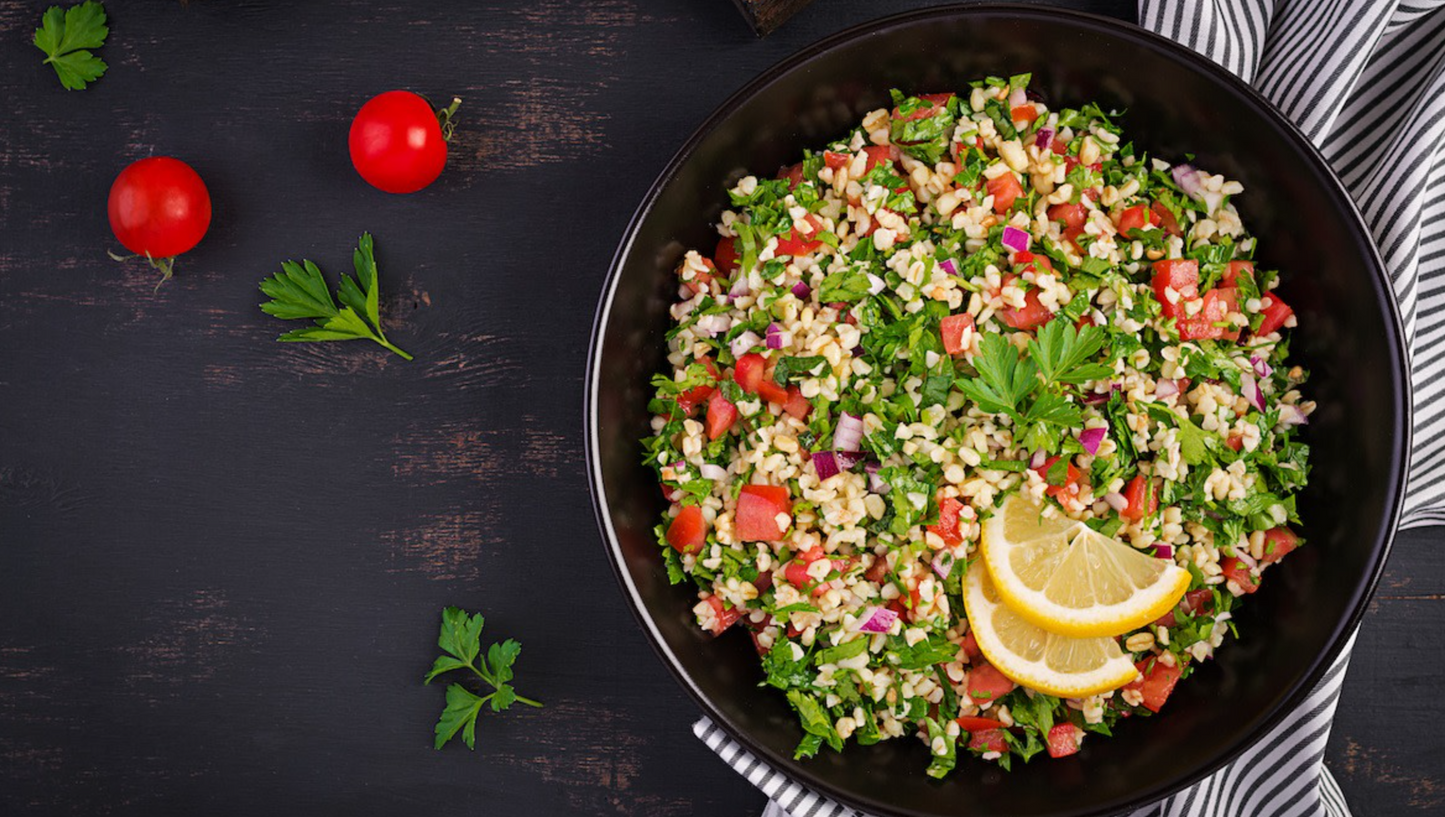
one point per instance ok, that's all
(460, 639)
(299, 291)
(1057, 357)
(66, 35)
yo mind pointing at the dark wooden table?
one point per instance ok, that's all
(222, 559)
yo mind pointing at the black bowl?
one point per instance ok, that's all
(1350, 338)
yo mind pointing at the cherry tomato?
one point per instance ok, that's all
(159, 208)
(398, 143)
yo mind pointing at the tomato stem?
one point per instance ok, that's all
(444, 116)
(166, 266)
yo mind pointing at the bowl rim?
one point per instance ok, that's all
(1399, 457)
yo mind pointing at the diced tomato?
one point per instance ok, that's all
(723, 617)
(1071, 235)
(1166, 219)
(988, 740)
(837, 161)
(935, 101)
(985, 683)
(726, 254)
(1193, 603)
(1059, 146)
(1218, 304)
(1064, 739)
(797, 405)
(1136, 218)
(973, 723)
(688, 531)
(1143, 499)
(1232, 271)
(750, 371)
(877, 155)
(1024, 113)
(1180, 275)
(772, 392)
(796, 571)
(1235, 570)
(793, 173)
(796, 243)
(970, 646)
(1235, 442)
(1026, 259)
(1031, 315)
(720, 415)
(1004, 189)
(1274, 315)
(947, 526)
(1278, 542)
(1072, 215)
(877, 570)
(671, 494)
(1071, 480)
(758, 508)
(701, 280)
(694, 397)
(1158, 681)
(952, 328)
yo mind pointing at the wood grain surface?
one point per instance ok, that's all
(222, 559)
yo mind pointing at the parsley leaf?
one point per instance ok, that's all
(1004, 377)
(299, 291)
(460, 639)
(1061, 353)
(66, 37)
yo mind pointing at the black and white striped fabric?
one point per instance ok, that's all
(1365, 81)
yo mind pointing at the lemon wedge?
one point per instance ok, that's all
(1036, 658)
(1069, 579)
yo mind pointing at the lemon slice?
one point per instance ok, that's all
(1072, 580)
(1036, 658)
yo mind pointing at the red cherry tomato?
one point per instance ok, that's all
(397, 141)
(159, 208)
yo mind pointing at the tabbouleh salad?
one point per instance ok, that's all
(971, 297)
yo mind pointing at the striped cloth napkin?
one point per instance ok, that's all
(1365, 81)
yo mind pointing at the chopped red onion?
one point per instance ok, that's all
(1116, 501)
(713, 472)
(857, 351)
(1095, 398)
(1164, 551)
(848, 436)
(828, 463)
(1017, 97)
(1250, 389)
(1187, 178)
(1044, 138)
(1037, 460)
(742, 343)
(943, 564)
(825, 463)
(875, 482)
(776, 337)
(947, 266)
(1261, 366)
(1292, 416)
(1165, 389)
(802, 290)
(739, 288)
(1015, 239)
(875, 284)
(1090, 438)
(877, 620)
